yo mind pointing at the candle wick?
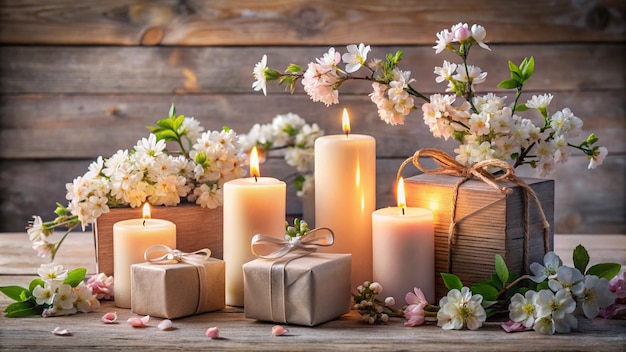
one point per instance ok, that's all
(347, 133)
(255, 179)
(402, 210)
(144, 223)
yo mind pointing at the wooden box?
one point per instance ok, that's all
(196, 228)
(492, 223)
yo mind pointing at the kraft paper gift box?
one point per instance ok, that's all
(177, 290)
(309, 290)
(490, 223)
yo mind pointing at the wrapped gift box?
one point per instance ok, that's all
(177, 290)
(493, 224)
(196, 227)
(309, 290)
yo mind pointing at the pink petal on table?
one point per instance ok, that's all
(109, 318)
(139, 322)
(165, 325)
(61, 332)
(278, 330)
(213, 332)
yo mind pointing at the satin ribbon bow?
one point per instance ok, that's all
(301, 246)
(175, 256)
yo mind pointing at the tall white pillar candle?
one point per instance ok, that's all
(345, 196)
(251, 205)
(131, 238)
(404, 250)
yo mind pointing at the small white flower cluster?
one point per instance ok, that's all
(485, 127)
(148, 173)
(289, 135)
(372, 310)
(552, 310)
(59, 298)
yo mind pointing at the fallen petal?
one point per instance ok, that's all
(109, 318)
(145, 319)
(278, 330)
(213, 332)
(165, 325)
(61, 332)
(136, 322)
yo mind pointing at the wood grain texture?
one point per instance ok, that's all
(286, 22)
(186, 70)
(86, 126)
(240, 334)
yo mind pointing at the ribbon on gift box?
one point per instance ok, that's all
(282, 252)
(197, 259)
(449, 166)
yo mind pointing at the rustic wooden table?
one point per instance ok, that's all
(18, 266)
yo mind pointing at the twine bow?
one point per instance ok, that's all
(449, 166)
(198, 257)
(301, 246)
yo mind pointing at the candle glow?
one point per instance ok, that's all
(345, 122)
(254, 163)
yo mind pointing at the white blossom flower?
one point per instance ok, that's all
(355, 57)
(522, 308)
(551, 263)
(52, 272)
(569, 279)
(65, 297)
(444, 38)
(598, 157)
(44, 294)
(479, 33)
(461, 308)
(258, 72)
(595, 295)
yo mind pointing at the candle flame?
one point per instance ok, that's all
(254, 163)
(345, 121)
(401, 195)
(146, 211)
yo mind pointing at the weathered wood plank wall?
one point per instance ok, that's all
(82, 79)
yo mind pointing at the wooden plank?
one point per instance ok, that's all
(282, 22)
(166, 70)
(590, 202)
(86, 126)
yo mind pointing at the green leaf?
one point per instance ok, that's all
(75, 277)
(201, 159)
(521, 107)
(36, 282)
(501, 270)
(496, 282)
(542, 286)
(166, 123)
(514, 69)
(528, 69)
(293, 68)
(22, 309)
(452, 281)
(226, 128)
(172, 112)
(604, 270)
(488, 292)
(178, 122)
(167, 135)
(581, 258)
(13, 292)
(508, 84)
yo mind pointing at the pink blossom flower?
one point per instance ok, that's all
(414, 312)
(101, 285)
(139, 322)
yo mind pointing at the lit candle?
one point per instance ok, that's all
(251, 205)
(345, 195)
(404, 249)
(131, 238)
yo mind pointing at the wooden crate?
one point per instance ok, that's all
(493, 224)
(196, 228)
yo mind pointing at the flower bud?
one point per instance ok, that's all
(390, 301)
